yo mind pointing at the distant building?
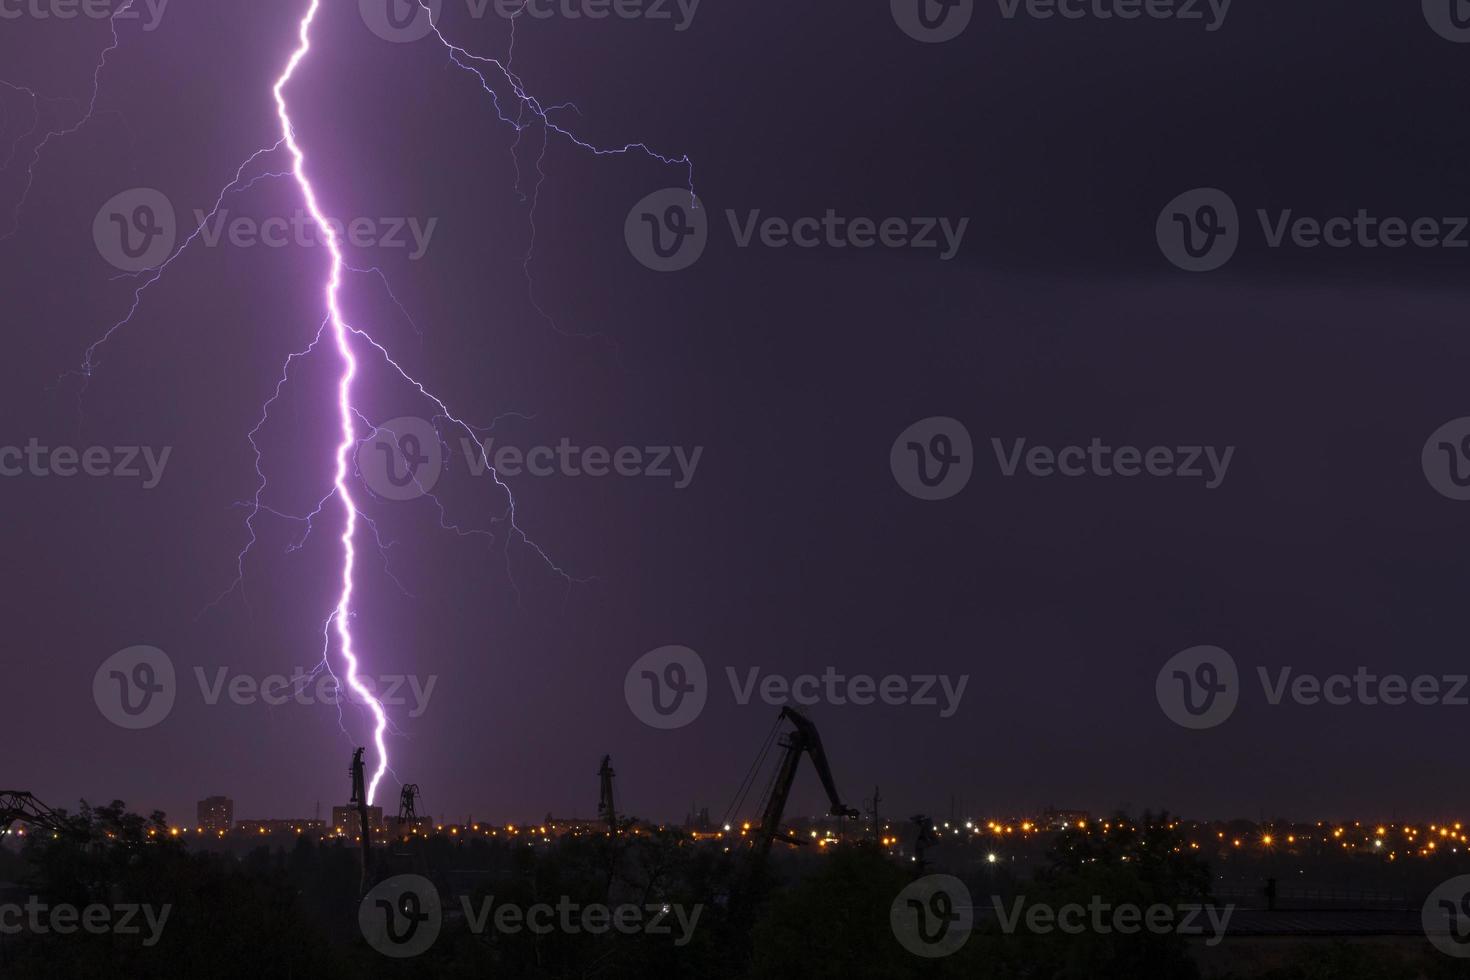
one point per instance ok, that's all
(423, 826)
(1064, 819)
(561, 826)
(216, 814)
(313, 828)
(345, 820)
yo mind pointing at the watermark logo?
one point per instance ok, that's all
(1446, 917)
(400, 21)
(933, 916)
(135, 688)
(667, 688)
(1198, 688)
(403, 458)
(150, 12)
(667, 230)
(401, 917)
(1450, 19)
(933, 459)
(932, 21)
(1446, 459)
(1199, 230)
(136, 229)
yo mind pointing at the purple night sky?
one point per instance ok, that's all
(792, 548)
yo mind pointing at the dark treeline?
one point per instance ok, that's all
(293, 912)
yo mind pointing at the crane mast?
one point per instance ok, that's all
(360, 800)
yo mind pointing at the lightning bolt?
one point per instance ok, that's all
(341, 616)
(350, 341)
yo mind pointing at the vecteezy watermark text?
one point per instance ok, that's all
(404, 458)
(1200, 230)
(836, 231)
(571, 918)
(669, 229)
(1363, 686)
(1211, 13)
(126, 462)
(1200, 688)
(933, 459)
(38, 918)
(137, 230)
(313, 686)
(1097, 458)
(402, 916)
(1102, 917)
(935, 21)
(834, 687)
(150, 12)
(302, 231)
(137, 687)
(406, 21)
(679, 12)
(667, 688)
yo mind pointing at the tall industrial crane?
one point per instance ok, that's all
(801, 740)
(360, 800)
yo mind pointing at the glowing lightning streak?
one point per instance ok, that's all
(342, 334)
(341, 616)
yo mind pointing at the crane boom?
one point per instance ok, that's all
(19, 806)
(803, 739)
